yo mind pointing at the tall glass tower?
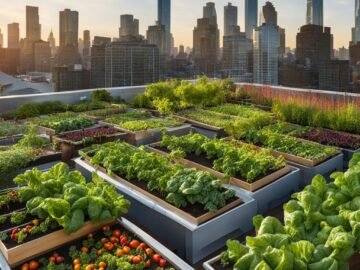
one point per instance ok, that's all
(164, 18)
(356, 30)
(314, 12)
(251, 17)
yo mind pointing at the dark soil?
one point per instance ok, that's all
(11, 207)
(8, 225)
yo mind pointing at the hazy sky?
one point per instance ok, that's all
(102, 17)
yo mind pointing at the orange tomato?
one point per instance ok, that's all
(134, 244)
(77, 267)
(84, 249)
(126, 250)
(117, 233)
(76, 261)
(106, 228)
(102, 264)
(104, 240)
(136, 260)
(149, 251)
(120, 252)
(100, 252)
(25, 266)
(34, 265)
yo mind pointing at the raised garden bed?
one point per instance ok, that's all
(142, 128)
(17, 254)
(66, 255)
(193, 213)
(62, 122)
(101, 114)
(191, 241)
(11, 132)
(349, 143)
(70, 142)
(203, 163)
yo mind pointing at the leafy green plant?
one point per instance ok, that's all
(10, 129)
(63, 122)
(18, 218)
(150, 124)
(290, 145)
(35, 109)
(64, 196)
(141, 101)
(227, 156)
(178, 185)
(239, 110)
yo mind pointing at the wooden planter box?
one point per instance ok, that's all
(25, 252)
(10, 140)
(148, 136)
(70, 149)
(113, 111)
(232, 180)
(194, 220)
(220, 132)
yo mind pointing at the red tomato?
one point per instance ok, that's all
(142, 246)
(117, 233)
(162, 262)
(25, 266)
(34, 265)
(120, 252)
(126, 250)
(156, 258)
(149, 251)
(148, 263)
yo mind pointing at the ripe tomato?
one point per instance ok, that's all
(162, 262)
(77, 267)
(126, 250)
(149, 251)
(123, 241)
(34, 265)
(156, 258)
(90, 267)
(76, 261)
(52, 259)
(25, 266)
(136, 260)
(142, 246)
(59, 259)
(84, 249)
(134, 244)
(148, 264)
(114, 239)
(106, 228)
(100, 252)
(90, 235)
(102, 264)
(104, 240)
(120, 252)
(36, 222)
(117, 233)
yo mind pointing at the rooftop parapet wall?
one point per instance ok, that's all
(262, 94)
(10, 103)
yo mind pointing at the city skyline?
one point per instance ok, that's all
(106, 22)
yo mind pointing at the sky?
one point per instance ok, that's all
(102, 17)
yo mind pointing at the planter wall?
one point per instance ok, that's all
(326, 169)
(348, 154)
(7, 141)
(190, 241)
(277, 192)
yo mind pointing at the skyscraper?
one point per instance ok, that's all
(98, 61)
(209, 11)
(268, 14)
(206, 41)
(131, 63)
(156, 34)
(86, 50)
(33, 27)
(164, 18)
(69, 28)
(1, 39)
(51, 40)
(266, 48)
(13, 36)
(251, 17)
(69, 34)
(314, 12)
(129, 26)
(356, 29)
(230, 19)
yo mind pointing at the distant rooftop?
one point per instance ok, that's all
(10, 85)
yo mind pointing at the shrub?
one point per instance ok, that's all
(34, 109)
(101, 95)
(141, 101)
